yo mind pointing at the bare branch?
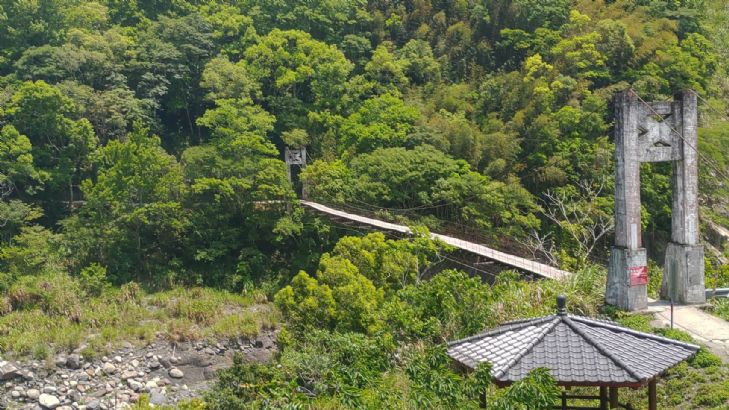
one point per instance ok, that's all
(578, 215)
(541, 247)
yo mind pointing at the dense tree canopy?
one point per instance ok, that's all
(143, 141)
(450, 114)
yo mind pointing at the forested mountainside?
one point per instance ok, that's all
(141, 142)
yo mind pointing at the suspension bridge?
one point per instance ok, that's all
(516, 262)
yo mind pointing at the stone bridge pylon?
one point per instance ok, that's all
(656, 132)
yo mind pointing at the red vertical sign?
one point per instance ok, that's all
(638, 275)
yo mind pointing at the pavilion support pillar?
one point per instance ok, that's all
(614, 403)
(652, 402)
(603, 398)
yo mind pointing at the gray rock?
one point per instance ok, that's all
(15, 394)
(7, 370)
(154, 365)
(60, 361)
(49, 389)
(135, 385)
(200, 360)
(128, 374)
(74, 395)
(48, 401)
(32, 394)
(26, 374)
(157, 397)
(134, 363)
(209, 373)
(100, 392)
(109, 368)
(164, 362)
(73, 361)
(176, 373)
(93, 405)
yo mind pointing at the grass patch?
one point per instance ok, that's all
(641, 323)
(712, 394)
(246, 324)
(52, 314)
(720, 307)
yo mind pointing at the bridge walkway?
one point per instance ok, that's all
(522, 264)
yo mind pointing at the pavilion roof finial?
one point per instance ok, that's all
(561, 301)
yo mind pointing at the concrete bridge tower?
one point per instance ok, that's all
(656, 132)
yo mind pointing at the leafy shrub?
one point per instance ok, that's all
(250, 385)
(306, 303)
(641, 323)
(720, 307)
(434, 382)
(316, 363)
(655, 277)
(675, 334)
(537, 391)
(93, 279)
(341, 298)
(459, 304)
(32, 252)
(713, 394)
(55, 294)
(704, 359)
(130, 292)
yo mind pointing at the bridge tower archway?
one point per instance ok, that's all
(656, 132)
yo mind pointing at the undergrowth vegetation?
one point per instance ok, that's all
(392, 354)
(51, 314)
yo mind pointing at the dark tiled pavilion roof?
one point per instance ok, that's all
(577, 351)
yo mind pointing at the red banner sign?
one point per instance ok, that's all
(638, 275)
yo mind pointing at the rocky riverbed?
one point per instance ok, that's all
(167, 372)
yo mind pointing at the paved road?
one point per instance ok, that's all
(707, 329)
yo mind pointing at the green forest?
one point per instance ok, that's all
(141, 164)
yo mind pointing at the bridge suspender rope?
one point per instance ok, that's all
(519, 263)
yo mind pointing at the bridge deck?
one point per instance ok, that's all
(522, 264)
